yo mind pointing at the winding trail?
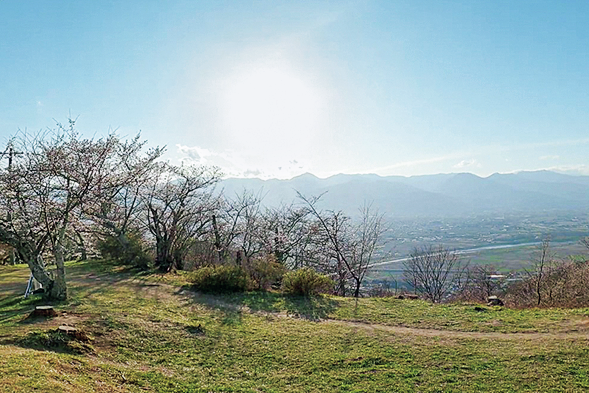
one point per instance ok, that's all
(461, 334)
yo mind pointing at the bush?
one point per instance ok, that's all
(384, 288)
(306, 282)
(264, 271)
(561, 285)
(128, 249)
(223, 278)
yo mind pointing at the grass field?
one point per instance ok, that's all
(152, 333)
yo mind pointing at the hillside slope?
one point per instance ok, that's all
(152, 333)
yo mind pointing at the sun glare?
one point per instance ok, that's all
(272, 104)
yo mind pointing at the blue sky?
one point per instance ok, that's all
(275, 89)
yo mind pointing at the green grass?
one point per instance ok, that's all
(152, 334)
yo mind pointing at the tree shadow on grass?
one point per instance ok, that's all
(50, 340)
(314, 308)
(12, 307)
(229, 309)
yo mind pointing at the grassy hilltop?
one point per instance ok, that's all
(152, 333)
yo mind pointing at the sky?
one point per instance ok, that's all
(279, 88)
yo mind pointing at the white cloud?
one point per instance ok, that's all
(253, 173)
(581, 169)
(200, 156)
(468, 164)
(235, 165)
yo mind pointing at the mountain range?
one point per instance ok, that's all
(441, 195)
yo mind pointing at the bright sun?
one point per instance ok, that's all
(270, 104)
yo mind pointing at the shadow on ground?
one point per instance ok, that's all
(50, 340)
(16, 308)
(314, 308)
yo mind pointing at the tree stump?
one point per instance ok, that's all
(69, 330)
(73, 332)
(44, 311)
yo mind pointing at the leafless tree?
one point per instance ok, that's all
(540, 273)
(352, 245)
(433, 271)
(180, 205)
(237, 227)
(585, 242)
(481, 282)
(288, 235)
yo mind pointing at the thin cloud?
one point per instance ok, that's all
(468, 163)
(550, 158)
(580, 169)
(483, 151)
(406, 164)
(253, 173)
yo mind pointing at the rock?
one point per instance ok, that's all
(408, 296)
(197, 330)
(494, 301)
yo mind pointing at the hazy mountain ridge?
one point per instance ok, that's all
(429, 195)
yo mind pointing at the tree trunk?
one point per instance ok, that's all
(39, 272)
(357, 290)
(82, 246)
(58, 291)
(220, 251)
(164, 258)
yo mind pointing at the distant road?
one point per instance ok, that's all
(467, 251)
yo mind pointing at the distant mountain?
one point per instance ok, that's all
(440, 195)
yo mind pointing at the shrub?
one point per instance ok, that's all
(384, 288)
(264, 271)
(479, 283)
(127, 249)
(223, 278)
(561, 285)
(306, 282)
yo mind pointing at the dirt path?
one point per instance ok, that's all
(458, 334)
